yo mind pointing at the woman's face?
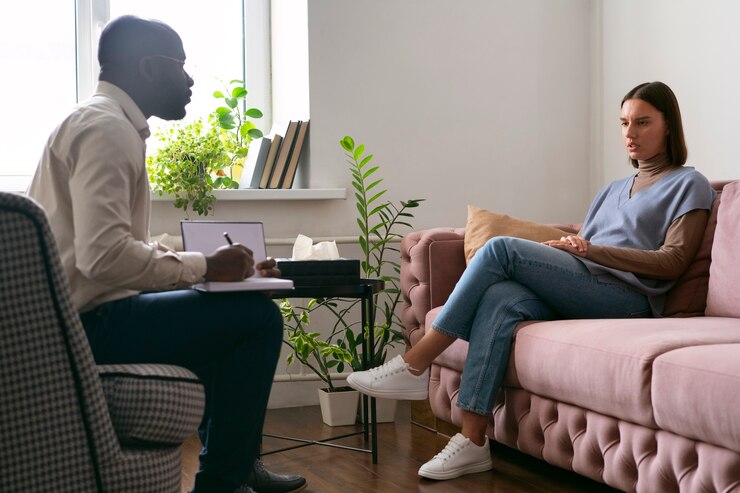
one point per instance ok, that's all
(644, 129)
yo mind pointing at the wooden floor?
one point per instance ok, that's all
(403, 447)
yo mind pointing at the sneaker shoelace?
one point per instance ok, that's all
(453, 447)
(390, 368)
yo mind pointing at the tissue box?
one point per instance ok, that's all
(320, 272)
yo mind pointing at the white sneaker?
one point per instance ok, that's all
(392, 380)
(459, 457)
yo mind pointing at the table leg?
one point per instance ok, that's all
(369, 302)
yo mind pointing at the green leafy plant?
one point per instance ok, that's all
(185, 165)
(237, 130)
(196, 158)
(381, 224)
(322, 356)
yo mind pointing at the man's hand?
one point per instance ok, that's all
(230, 263)
(574, 244)
(267, 268)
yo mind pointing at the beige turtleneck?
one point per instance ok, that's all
(682, 239)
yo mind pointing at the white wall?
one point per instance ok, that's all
(691, 46)
(475, 101)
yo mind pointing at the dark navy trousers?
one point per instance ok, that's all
(230, 340)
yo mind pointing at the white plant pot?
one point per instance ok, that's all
(385, 410)
(339, 408)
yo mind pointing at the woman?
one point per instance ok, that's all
(639, 235)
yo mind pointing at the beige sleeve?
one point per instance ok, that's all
(681, 244)
(106, 251)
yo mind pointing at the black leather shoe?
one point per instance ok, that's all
(263, 481)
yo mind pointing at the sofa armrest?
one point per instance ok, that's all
(153, 404)
(432, 261)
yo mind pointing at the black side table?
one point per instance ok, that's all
(364, 290)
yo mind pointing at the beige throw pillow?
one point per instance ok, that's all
(483, 225)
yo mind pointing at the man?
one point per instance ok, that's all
(92, 182)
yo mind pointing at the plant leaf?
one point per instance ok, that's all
(375, 197)
(370, 172)
(358, 151)
(347, 143)
(253, 113)
(238, 92)
(373, 184)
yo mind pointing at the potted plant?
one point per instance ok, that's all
(198, 157)
(322, 356)
(379, 223)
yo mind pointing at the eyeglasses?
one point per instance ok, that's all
(181, 62)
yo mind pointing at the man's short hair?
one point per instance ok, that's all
(128, 38)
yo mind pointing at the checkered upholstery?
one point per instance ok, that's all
(56, 430)
(144, 399)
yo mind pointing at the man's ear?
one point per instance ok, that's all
(147, 69)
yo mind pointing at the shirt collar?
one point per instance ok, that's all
(128, 105)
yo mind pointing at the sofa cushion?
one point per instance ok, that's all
(606, 365)
(696, 393)
(723, 297)
(483, 225)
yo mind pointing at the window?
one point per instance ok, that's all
(54, 62)
(37, 56)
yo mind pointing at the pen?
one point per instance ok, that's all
(226, 235)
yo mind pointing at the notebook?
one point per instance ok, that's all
(207, 236)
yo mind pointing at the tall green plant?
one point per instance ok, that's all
(381, 224)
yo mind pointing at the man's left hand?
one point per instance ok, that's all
(267, 268)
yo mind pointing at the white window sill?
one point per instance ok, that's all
(257, 194)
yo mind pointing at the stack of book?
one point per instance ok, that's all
(272, 161)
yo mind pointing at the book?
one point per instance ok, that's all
(270, 160)
(287, 181)
(286, 148)
(255, 162)
(254, 283)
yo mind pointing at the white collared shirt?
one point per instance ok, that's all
(92, 183)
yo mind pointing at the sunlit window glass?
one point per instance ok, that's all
(38, 83)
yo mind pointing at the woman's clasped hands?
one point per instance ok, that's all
(575, 244)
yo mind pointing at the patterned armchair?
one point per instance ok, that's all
(66, 424)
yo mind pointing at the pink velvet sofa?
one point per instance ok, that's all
(646, 405)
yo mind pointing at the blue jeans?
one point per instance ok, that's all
(511, 280)
(230, 340)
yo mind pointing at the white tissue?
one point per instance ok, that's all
(304, 249)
